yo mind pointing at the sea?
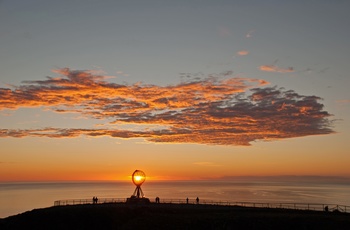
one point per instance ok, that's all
(19, 197)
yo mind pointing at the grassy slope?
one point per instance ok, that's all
(165, 216)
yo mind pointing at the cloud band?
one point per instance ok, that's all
(220, 110)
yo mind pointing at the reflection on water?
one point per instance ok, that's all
(19, 197)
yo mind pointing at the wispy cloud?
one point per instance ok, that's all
(274, 68)
(206, 164)
(343, 101)
(249, 34)
(217, 109)
(242, 53)
(2, 162)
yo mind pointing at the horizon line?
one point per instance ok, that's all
(319, 177)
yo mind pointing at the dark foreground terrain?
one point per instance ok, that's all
(172, 216)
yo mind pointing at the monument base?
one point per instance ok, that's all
(137, 200)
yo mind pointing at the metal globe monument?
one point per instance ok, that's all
(138, 178)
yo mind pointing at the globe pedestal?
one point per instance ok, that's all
(135, 200)
(138, 192)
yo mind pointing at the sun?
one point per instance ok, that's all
(138, 177)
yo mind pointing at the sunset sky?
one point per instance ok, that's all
(92, 90)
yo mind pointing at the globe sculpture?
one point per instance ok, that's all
(138, 177)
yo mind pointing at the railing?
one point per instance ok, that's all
(89, 201)
(295, 206)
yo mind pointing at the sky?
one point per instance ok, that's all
(183, 90)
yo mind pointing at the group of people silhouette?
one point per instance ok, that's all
(197, 200)
(157, 200)
(94, 200)
(187, 200)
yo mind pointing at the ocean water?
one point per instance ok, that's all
(18, 197)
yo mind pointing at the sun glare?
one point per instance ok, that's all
(138, 177)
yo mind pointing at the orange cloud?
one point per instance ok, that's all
(242, 53)
(343, 102)
(273, 68)
(217, 110)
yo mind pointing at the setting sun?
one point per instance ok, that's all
(138, 177)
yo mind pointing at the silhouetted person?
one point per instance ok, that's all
(197, 200)
(93, 200)
(187, 200)
(326, 208)
(96, 199)
(157, 200)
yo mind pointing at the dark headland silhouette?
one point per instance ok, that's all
(172, 216)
